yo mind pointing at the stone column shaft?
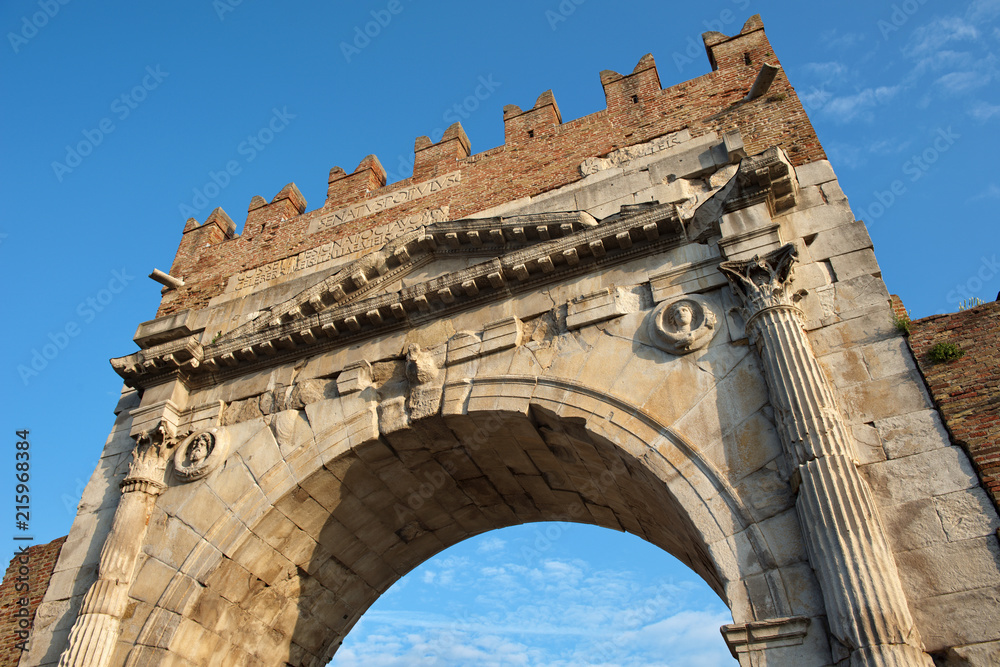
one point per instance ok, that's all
(866, 608)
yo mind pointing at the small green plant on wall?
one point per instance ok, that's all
(902, 322)
(942, 352)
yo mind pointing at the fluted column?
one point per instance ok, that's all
(866, 608)
(94, 634)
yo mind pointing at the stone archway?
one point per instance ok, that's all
(516, 367)
(370, 505)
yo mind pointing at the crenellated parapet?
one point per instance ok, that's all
(541, 153)
(627, 96)
(538, 121)
(343, 188)
(431, 160)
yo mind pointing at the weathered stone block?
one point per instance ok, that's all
(355, 377)
(841, 240)
(814, 173)
(967, 514)
(939, 471)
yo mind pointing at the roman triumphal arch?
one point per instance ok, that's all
(664, 324)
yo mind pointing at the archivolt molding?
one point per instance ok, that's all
(614, 420)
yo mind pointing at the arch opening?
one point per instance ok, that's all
(544, 593)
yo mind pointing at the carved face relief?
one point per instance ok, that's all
(200, 454)
(681, 315)
(683, 326)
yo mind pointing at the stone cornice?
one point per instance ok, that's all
(520, 253)
(767, 176)
(525, 252)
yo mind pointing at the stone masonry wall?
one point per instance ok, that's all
(540, 153)
(966, 389)
(41, 559)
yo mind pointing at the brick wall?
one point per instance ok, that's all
(540, 153)
(41, 559)
(967, 390)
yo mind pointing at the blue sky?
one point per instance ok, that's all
(121, 120)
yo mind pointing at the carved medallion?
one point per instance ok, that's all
(200, 454)
(683, 326)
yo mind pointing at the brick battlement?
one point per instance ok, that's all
(540, 153)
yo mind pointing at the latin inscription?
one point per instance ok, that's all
(385, 202)
(365, 240)
(617, 158)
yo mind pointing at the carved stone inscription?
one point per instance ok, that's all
(617, 158)
(376, 237)
(385, 202)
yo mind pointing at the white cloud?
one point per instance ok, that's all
(887, 147)
(944, 59)
(983, 111)
(814, 98)
(827, 71)
(849, 107)
(491, 545)
(558, 612)
(834, 40)
(930, 38)
(983, 10)
(981, 73)
(845, 154)
(992, 191)
(960, 82)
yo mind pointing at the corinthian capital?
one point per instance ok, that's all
(147, 471)
(762, 282)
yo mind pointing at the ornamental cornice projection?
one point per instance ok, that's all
(519, 253)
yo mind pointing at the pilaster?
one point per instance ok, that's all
(866, 608)
(98, 625)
